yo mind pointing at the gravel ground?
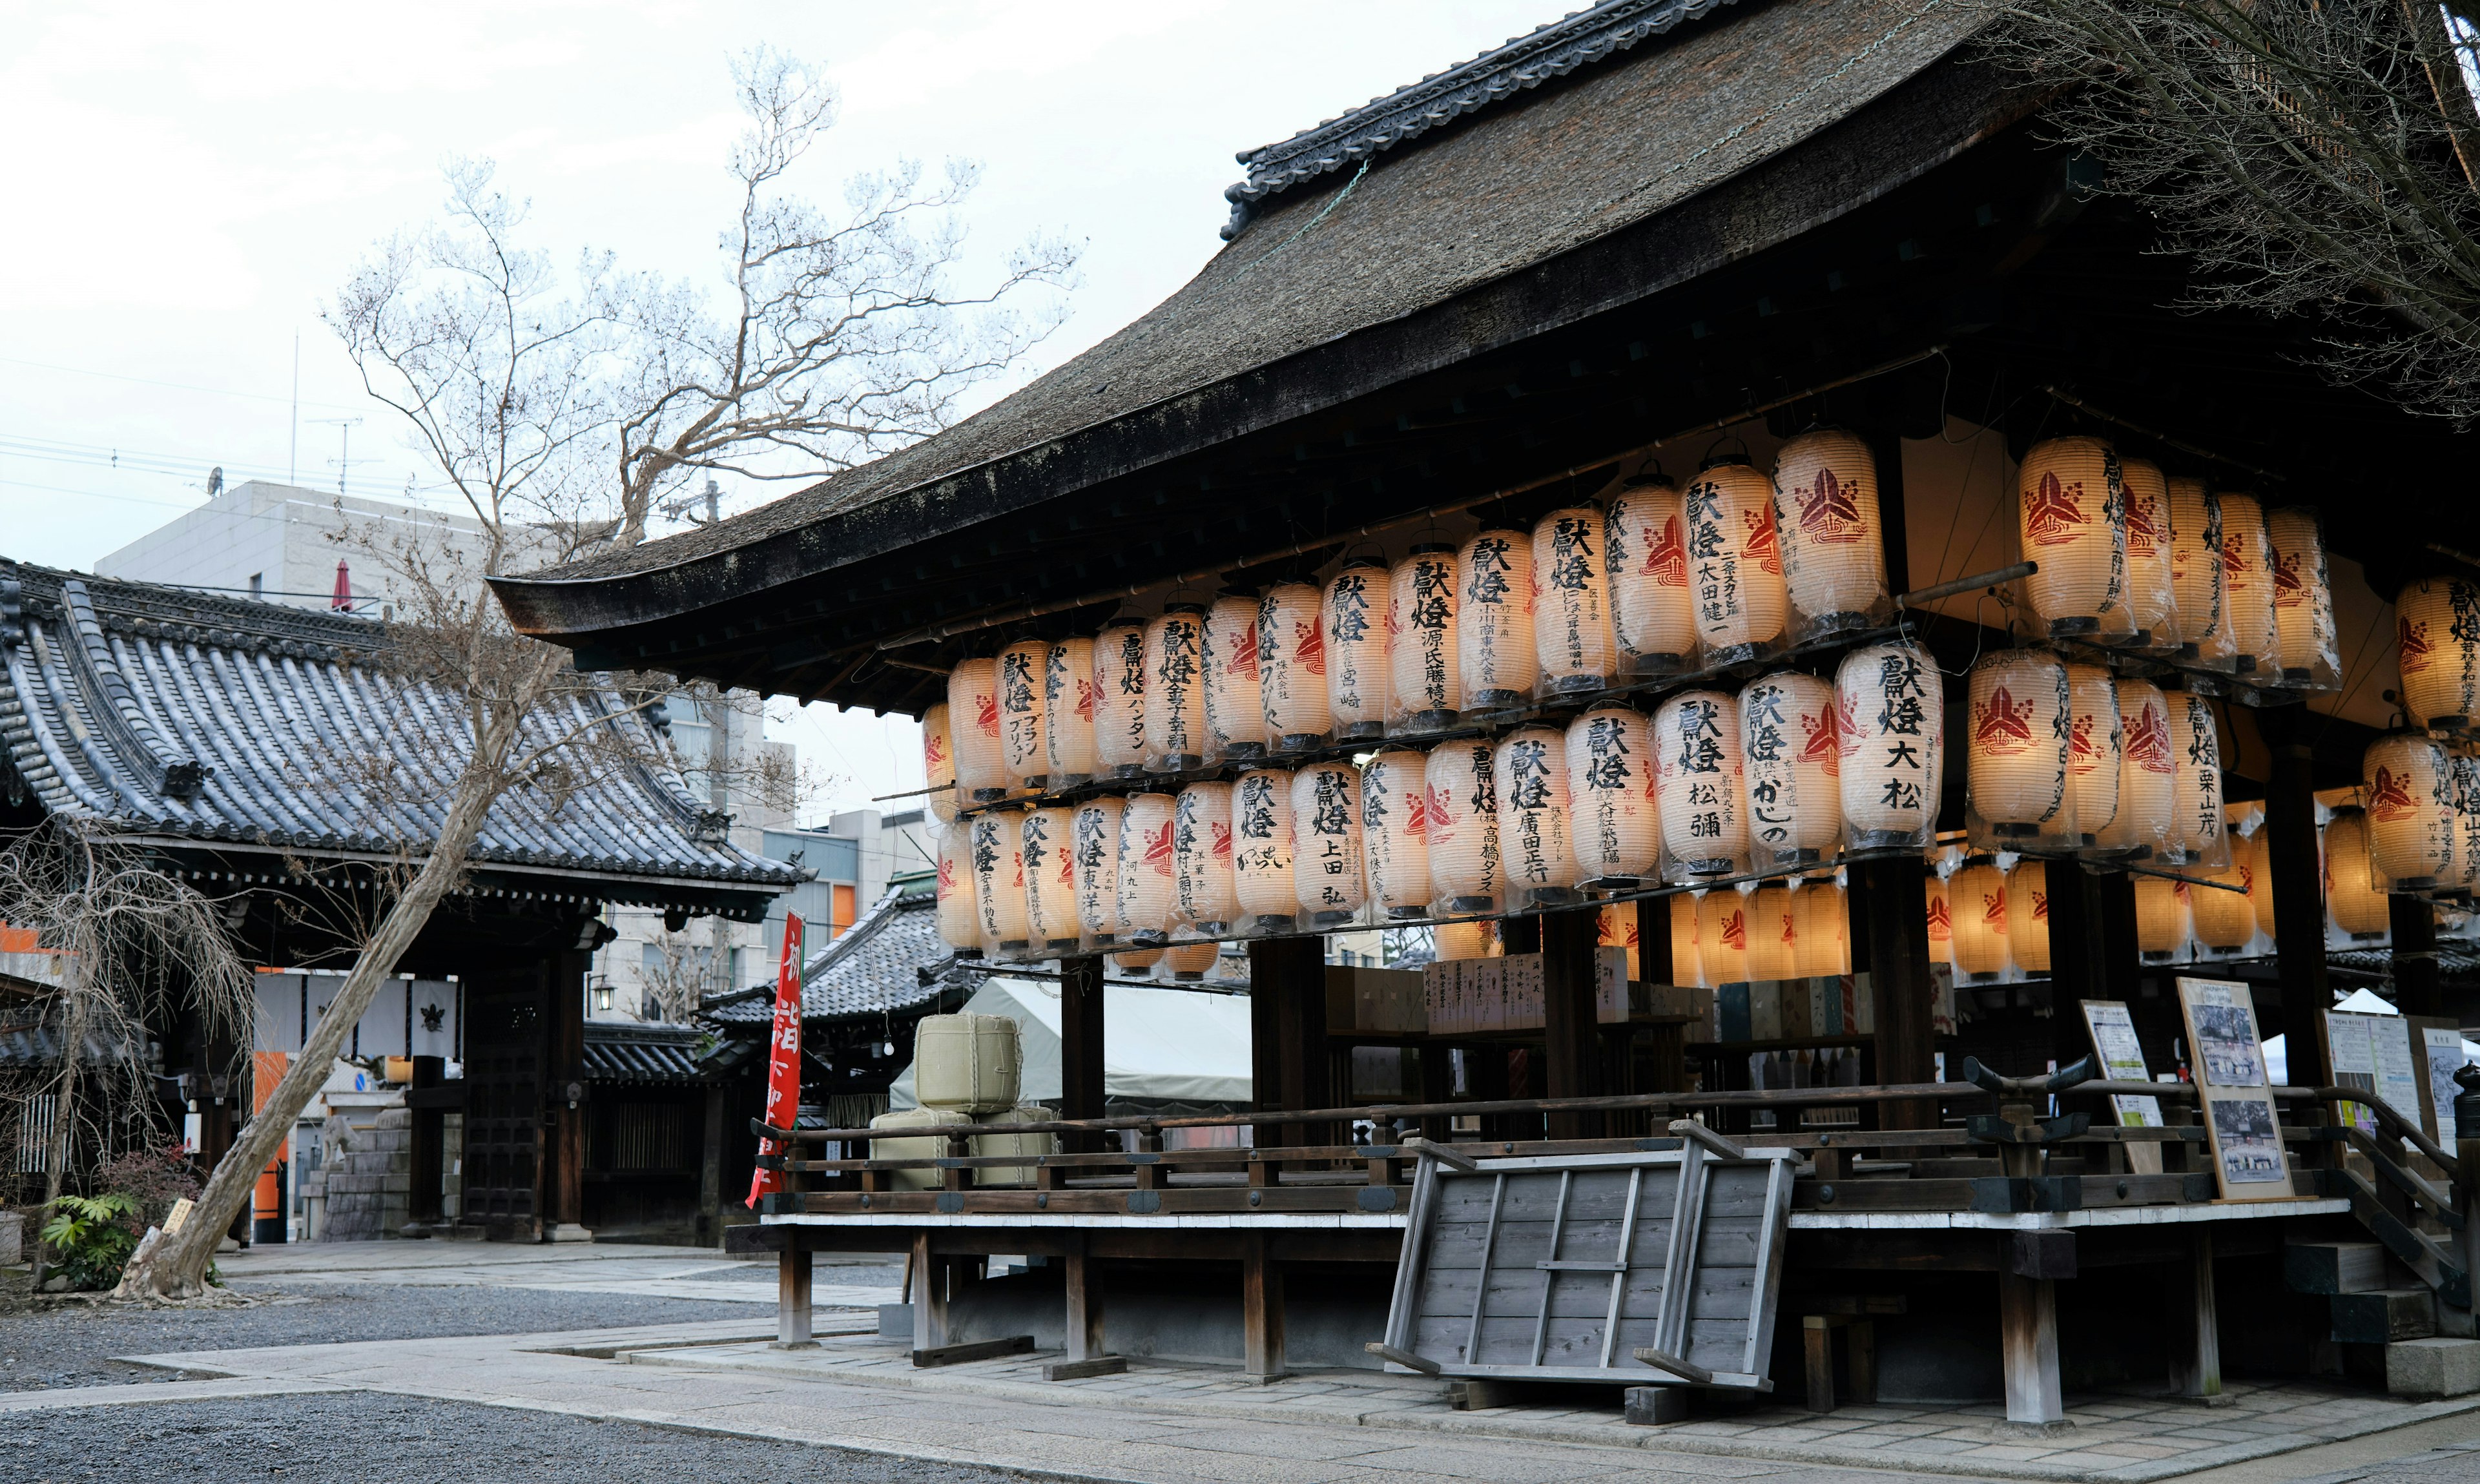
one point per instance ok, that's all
(363, 1439)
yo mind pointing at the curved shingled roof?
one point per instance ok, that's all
(155, 713)
(890, 961)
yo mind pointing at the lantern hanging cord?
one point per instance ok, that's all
(2164, 438)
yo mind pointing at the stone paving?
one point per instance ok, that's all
(643, 1272)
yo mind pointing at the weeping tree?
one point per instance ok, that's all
(2308, 157)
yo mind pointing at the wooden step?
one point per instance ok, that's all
(2384, 1316)
(2333, 1266)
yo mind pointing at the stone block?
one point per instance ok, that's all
(1649, 1406)
(2433, 1368)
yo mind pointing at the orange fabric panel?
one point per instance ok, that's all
(17, 940)
(847, 909)
(266, 1070)
(266, 1202)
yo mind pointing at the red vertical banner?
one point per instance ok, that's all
(783, 1060)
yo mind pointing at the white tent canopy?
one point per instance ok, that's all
(1158, 1045)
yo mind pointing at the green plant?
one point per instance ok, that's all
(89, 1236)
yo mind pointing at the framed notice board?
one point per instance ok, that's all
(2438, 1040)
(2240, 1125)
(2122, 1060)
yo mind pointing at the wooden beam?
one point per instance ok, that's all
(1569, 1029)
(2296, 867)
(2416, 988)
(1895, 906)
(1261, 1310)
(710, 1169)
(1274, 964)
(929, 1295)
(565, 1065)
(1292, 972)
(1084, 1329)
(1081, 998)
(427, 1145)
(2195, 1339)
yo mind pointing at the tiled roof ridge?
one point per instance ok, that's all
(1524, 62)
(157, 610)
(891, 903)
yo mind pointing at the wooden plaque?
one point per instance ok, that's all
(2436, 1040)
(2122, 1060)
(2240, 1123)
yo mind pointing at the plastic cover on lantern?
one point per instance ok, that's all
(1291, 667)
(2015, 793)
(1735, 563)
(1095, 839)
(2358, 905)
(1941, 912)
(2303, 600)
(1536, 857)
(2148, 779)
(2466, 768)
(2161, 928)
(1146, 867)
(2437, 634)
(1395, 831)
(2248, 592)
(1977, 899)
(1235, 703)
(1068, 702)
(2027, 915)
(2407, 788)
(1701, 785)
(1175, 689)
(1048, 839)
(973, 727)
(1464, 874)
(1025, 752)
(1793, 752)
(1687, 966)
(1261, 851)
(1822, 924)
(998, 881)
(2196, 578)
(1572, 637)
(1120, 699)
(1495, 621)
(1833, 548)
(1354, 612)
(938, 764)
(1773, 933)
(960, 917)
(1644, 552)
(2198, 832)
(1617, 828)
(2070, 518)
(2096, 747)
(2152, 592)
(1424, 681)
(1203, 896)
(1330, 882)
(1722, 937)
(1890, 720)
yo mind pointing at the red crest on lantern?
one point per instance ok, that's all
(1066, 867)
(1158, 850)
(1764, 548)
(2148, 740)
(2234, 560)
(1735, 931)
(2390, 796)
(1846, 725)
(1244, 651)
(1825, 744)
(1666, 554)
(1222, 840)
(986, 714)
(2053, 511)
(1087, 693)
(933, 748)
(2289, 592)
(1308, 645)
(2143, 530)
(947, 878)
(1993, 911)
(1941, 925)
(1417, 806)
(2416, 650)
(1828, 511)
(2081, 754)
(2002, 724)
(2040, 907)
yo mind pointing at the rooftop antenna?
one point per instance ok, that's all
(345, 461)
(683, 506)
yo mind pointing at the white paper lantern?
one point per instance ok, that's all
(2096, 746)
(1722, 937)
(1068, 711)
(999, 880)
(1571, 619)
(960, 919)
(1464, 874)
(1291, 667)
(1468, 940)
(1048, 841)
(1330, 882)
(1261, 850)
(1495, 621)
(1833, 548)
(2303, 600)
(973, 725)
(1645, 547)
(1941, 912)
(1120, 699)
(2436, 629)
(1822, 929)
(2152, 590)
(1424, 682)
(1617, 829)
(1735, 571)
(2408, 794)
(1701, 785)
(1537, 854)
(2070, 518)
(1355, 611)
(2161, 929)
(2027, 917)
(2196, 579)
(1024, 749)
(2464, 766)
(2199, 826)
(1687, 965)
(1175, 689)
(1978, 894)
(1235, 699)
(2015, 786)
(1890, 719)
(938, 764)
(1773, 933)
(2248, 592)
(1204, 894)
(1095, 837)
(1395, 831)
(1793, 755)
(2352, 891)
(2147, 778)
(1146, 867)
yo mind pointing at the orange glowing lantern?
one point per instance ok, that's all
(1395, 831)
(2015, 787)
(2071, 517)
(973, 725)
(2436, 628)
(1890, 721)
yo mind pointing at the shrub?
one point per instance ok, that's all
(152, 1179)
(90, 1236)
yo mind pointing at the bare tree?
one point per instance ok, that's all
(2307, 156)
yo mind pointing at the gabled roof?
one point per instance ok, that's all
(158, 713)
(618, 1052)
(890, 962)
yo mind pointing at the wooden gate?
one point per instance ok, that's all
(1596, 1267)
(506, 1042)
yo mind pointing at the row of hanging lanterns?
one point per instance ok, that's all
(2437, 635)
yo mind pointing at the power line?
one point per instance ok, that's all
(178, 386)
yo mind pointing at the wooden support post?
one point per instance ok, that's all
(426, 1154)
(710, 1170)
(1084, 1306)
(1261, 1310)
(2076, 961)
(2027, 1336)
(2413, 925)
(1570, 1030)
(565, 1207)
(793, 1295)
(1291, 972)
(1894, 900)
(2296, 867)
(1265, 1041)
(2194, 1333)
(1080, 1046)
(1520, 935)
(929, 1297)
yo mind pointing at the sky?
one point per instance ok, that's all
(188, 185)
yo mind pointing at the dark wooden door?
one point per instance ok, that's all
(508, 1025)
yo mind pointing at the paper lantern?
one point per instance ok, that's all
(1722, 937)
(2196, 581)
(2303, 600)
(2260, 877)
(1977, 896)
(1068, 711)
(2071, 517)
(1095, 837)
(2015, 784)
(1833, 548)
(1395, 831)
(1138, 963)
(2248, 594)
(2199, 831)
(1644, 549)
(1024, 749)
(2408, 791)
(1773, 934)
(1941, 921)
(999, 880)
(1468, 940)
(1793, 757)
(1571, 620)
(1353, 609)
(1617, 828)
(1330, 882)
(2148, 780)
(2436, 628)
(2027, 915)
(1614, 927)
(1822, 927)
(1495, 621)
(1235, 703)
(2096, 748)
(1735, 567)
(1687, 965)
(2161, 928)
(1464, 873)
(938, 764)
(1537, 854)
(1261, 850)
(1890, 721)
(1203, 896)
(1291, 667)
(1424, 682)
(1120, 699)
(1146, 867)
(1048, 841)
(960, 919)
(2224, 920)
(2352, 895)
(1701, 785)
(1192, 961)
(1175, 689)
(2152, 591)
(973, 727)
(2465, 770)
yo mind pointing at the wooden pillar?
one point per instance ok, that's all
(1265, 1038)
(1261, 1310)
(1084, 1306)
(2414, 926)
(1520, 935)
(1292, 970)
(2296, 869)
(793, 1295)
(1886, 447)
(1568, 1027)
(929, 1297)
(2027, 1320)
(2076, 960)
(564, 1174)
(427, 1143)
(1893, 901)
(710, 1169)
(1081, 997)
(2194, 1332)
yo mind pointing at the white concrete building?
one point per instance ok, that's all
(283, 543)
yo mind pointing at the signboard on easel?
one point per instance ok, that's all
(2241, 1122)
(2122, 1060)
(2438, 1040)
